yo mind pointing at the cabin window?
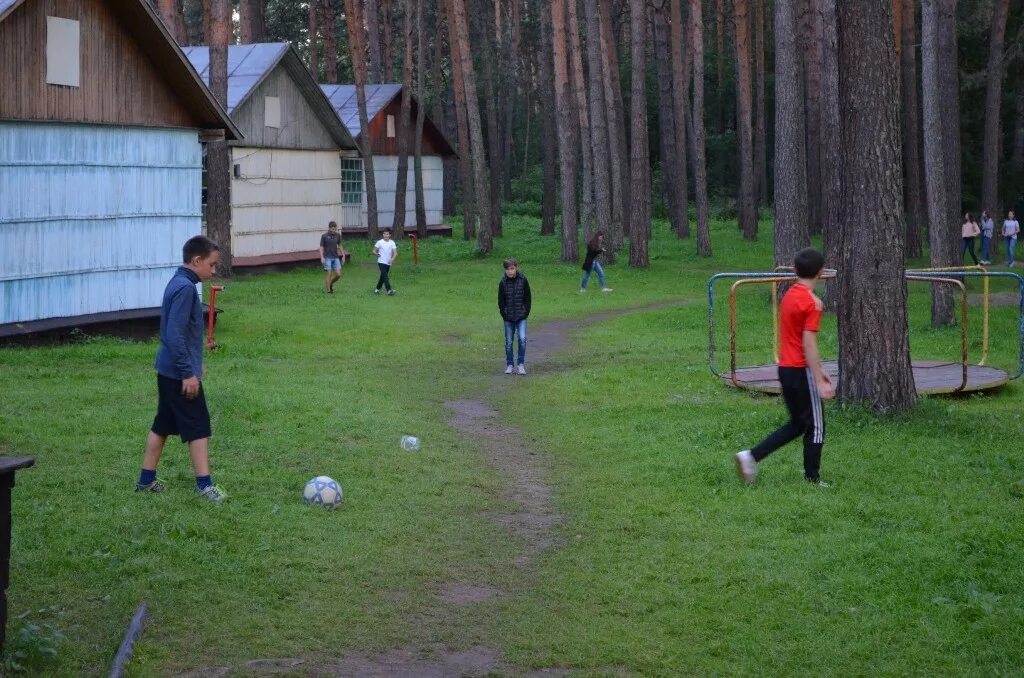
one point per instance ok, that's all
(391, 127)
(351, 181)
(63, 59)
(272, 112)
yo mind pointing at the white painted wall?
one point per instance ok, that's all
(385, 170)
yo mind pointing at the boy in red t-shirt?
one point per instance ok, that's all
(804, 383)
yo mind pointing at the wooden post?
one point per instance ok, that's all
(8, 467)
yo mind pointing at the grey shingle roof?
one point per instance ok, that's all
(247, 66)
(343, 99)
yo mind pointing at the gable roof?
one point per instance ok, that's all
(141, 20)
(343, 99)
(249, 66)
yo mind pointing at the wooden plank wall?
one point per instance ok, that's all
(383, 145)
(119, 83)
(300, 127)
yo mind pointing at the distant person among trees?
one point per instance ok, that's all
(514, 301)
(595, 248)
(1011, 229)
(386, 250)
(969, 231)
(988, 229)
(332, 256)
(804, 383)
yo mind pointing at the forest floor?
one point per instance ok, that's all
(584, 519)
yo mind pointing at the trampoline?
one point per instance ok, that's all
(930, 376)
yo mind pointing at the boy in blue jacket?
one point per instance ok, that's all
(181, 407)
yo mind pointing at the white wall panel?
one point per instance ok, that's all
(385, 170)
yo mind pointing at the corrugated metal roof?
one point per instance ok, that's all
(343, 99)
(6, 5)
(247, 66)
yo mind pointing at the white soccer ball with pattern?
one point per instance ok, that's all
(324, 491)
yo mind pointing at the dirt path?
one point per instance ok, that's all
(533, 521)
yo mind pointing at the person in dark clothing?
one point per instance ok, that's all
(181, 407)
(514, 305)
(595, 248)
(332, 256)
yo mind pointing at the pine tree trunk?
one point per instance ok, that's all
(760, 132)
(462, 123)
(811, 65)
(639, 163)
(252, 15)
(720, 19)
(330, 42)
(680, 94)
(173, 17)
(218, 154)
(791, 213)
(831, 153)
(567, 132)
(404, 128)
(485, 239)
(442, 114)
(421, 66)
(697, 131)
(941, 215)
(546, 93)
(874, 345)
(493, 129)
(950, 78)
(1017, 160)
(313, 31)
(373, 39)
(579, 86)
(670, 153)
(388, 51)
(745, 206)
(616, 129)
(993, 101)
(913, 188)
(353, 9)
(599, 139)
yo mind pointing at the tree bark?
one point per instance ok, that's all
(1017, 160)
(697, 132)
(639, 163)
(811, 61)
(831, 153)
(942, 221)
(791, 212)
(462, 124)
(313, 31)
(680, 94)
(373, 39)
(218, 154)
(388, 56)
(950, 74)
(720, 61)
(578, 78)
(913, 188)
(421, 66)
(567, 132)
(330, 42)
(993, 101)
(545, 83)
(616, 129)
(485, 239)
(353, 10)
(745, 206)
(874, 346)
(173, 15)
(402, 178)
(667, 119)
(493, 127)
(253, 23)
(599, 139)
(760, 143)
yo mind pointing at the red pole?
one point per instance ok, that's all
(415, 250)
(210, 343)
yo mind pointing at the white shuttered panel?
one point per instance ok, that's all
(385, 170)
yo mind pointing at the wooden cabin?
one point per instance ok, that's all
(383, 110)
(101, 122)
(286, 183)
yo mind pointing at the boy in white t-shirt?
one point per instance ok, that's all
(386, 251)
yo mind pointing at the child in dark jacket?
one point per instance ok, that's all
(595, 248)
(514, 305)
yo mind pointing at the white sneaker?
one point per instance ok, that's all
(606, 289)
(583, 290)
(521, 369)
(746, 466)
(819, 483)
(508, 369)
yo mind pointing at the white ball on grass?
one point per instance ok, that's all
(324, 491)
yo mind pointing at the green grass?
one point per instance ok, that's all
(910, 564)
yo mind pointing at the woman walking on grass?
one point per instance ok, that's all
(595, 248)
(970, 230)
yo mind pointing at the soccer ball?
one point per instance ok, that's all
(324, 491)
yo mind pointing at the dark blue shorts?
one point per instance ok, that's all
(177, 415)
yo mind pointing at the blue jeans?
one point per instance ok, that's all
(511, 330)
(332, 263)
(595, 269)
(985, 249)
(1011, 245)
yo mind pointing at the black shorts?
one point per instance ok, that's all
(176, 414)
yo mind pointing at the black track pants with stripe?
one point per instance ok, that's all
(806, 419)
